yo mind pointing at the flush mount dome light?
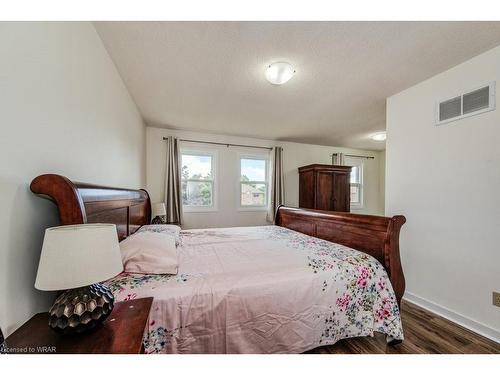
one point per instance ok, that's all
(279, 73)
(382, 136)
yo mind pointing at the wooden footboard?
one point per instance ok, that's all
(377, 236)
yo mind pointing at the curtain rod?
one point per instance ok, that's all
(356, 156)
(221, 144)
(265, 148)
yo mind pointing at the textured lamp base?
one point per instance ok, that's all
(159, 220)
(79, 310)
(3, 347)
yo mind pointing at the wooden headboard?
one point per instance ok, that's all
(377, 236)
(81, 203)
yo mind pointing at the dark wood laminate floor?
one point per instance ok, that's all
(424, 332)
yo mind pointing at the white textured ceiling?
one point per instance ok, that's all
(209, 76)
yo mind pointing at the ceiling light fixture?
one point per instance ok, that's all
(279, 73)
(382, 136)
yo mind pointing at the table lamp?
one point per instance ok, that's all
(3, 348)
(75, 259)
(159, 214)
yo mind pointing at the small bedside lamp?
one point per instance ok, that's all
(3, 348)
(75, 258)
(159, 214)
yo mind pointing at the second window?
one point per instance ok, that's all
(254, 176)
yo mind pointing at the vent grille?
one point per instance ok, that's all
(450, 108)
(477, 100)
(465, 105)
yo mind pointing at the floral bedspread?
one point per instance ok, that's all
(262, 290)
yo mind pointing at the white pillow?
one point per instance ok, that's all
(149, 252)
(167, 229)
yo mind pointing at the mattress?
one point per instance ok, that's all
(262, 289)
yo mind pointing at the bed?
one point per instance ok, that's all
(310, 280)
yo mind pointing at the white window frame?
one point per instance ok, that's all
(214, 155)
(357, 162)
(266, 182)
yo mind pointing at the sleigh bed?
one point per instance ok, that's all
(313, 278)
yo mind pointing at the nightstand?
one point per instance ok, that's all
(121, 333)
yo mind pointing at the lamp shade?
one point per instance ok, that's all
(159, 209)
(78, 255)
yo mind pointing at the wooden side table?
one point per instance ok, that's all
(121, 333)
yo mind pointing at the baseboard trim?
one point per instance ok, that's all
(465, 322)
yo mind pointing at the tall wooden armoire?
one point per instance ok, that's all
(325, 187)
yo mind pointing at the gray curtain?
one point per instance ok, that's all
(173, 193)
(277, 183)
(338, 158)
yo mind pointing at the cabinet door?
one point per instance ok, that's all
(324, 191)
(306, 189)
(341, 192)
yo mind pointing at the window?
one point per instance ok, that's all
(356, 180)
(253, 181)
(197, 180)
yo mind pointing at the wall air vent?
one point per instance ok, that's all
(450, 109)
(468, 104)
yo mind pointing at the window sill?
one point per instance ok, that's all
(199, 209)
(252, 208)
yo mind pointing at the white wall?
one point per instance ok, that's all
(295, 155)
(382, 180)
(446, 181)
(63, 109)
